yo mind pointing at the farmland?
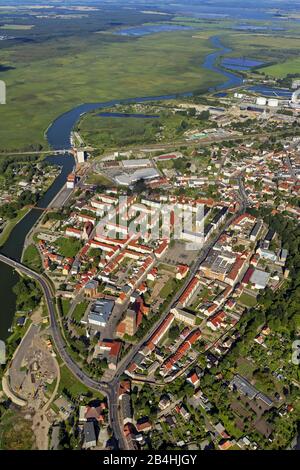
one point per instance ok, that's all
(46, 79)
(52, 66)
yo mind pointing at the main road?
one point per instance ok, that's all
(110, 389)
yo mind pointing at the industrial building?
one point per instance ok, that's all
(125, 179)
(136, 163)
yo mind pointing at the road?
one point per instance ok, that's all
(204, 252)
(110, 389)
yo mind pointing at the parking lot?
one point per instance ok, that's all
(179, 254)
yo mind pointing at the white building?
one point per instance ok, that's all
(273, 102)
(81, 156)
(261, 101)
(260, 279)
(71, 181)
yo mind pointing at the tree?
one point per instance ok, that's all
(174, 332)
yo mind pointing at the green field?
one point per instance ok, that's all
(51, 78)
(268, 48)
(17, 27)
(68, 247)
(247, 300)
(114, 132)
(72, 385)
(280, 70)
(65, 306)
(79, 311)
(59, 64)
(99, 180)
(15, 432)
(32, 259)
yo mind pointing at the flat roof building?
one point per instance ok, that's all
(244, 387)
(100, 312)
(90, 438)
(125, 179)
(260, 279)
(136, 163)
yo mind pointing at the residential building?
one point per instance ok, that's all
(90, 438)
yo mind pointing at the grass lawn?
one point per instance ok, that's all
(68, 381)
(231, 428)
(247, 300)
(99, 179)
(169, 287)
(68, 247)
(15, 432)
(65, 304)
(245, 368)
(80, 311)
(166, 267)
(32, 259)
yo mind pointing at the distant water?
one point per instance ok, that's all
(269, 91)
(240, 10)
(58, 136)
(151, 29)
(211, 63)
(240, 63)
(253, 27)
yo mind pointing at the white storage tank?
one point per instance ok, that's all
(296, 84)
(261, 101)
(273, 103)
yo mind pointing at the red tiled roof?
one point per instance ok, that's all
(192, 285)
(247, 276)
(161, 329)
(114, 346)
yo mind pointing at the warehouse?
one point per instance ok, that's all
(136, 163)
(125, 179)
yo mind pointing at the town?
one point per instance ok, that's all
(156, 259)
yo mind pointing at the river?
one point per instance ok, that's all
(58, 136)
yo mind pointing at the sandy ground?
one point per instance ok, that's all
(40, 427)
(35, 350)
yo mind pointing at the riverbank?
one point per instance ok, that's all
(11, 225)
(14, 244)
(58, 137)
(151, 65)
